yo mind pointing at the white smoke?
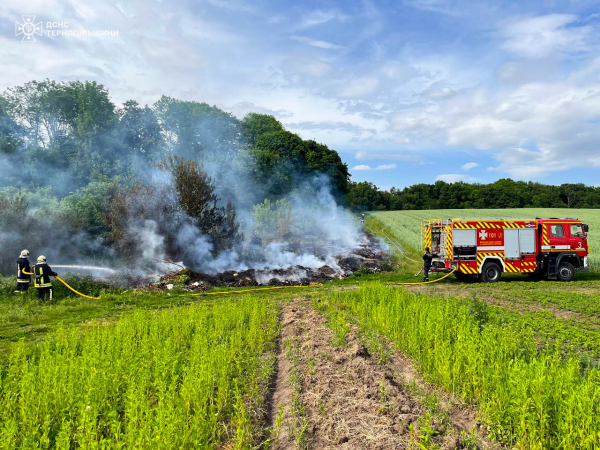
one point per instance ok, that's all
(316, 216)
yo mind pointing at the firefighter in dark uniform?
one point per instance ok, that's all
(41, 278)
(23, 272)
(427, 259)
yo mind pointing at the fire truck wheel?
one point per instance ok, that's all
(491, 273)
(566, 272)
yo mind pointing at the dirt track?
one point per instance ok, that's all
(340, 396)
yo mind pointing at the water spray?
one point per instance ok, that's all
(102, 269)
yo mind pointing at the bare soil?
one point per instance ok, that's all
(350, 399)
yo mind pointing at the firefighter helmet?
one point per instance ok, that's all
(41, 258)
(25, 253)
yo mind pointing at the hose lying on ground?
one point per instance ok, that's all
(422, 282)
(257, 289)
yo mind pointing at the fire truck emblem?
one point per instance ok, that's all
(483, 235)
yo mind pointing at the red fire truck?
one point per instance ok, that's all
(487, 248)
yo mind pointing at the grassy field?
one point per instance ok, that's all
(140, 369)
(537, 398)
(406, 224)
(183, 378)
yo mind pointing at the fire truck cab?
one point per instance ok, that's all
(487, 248)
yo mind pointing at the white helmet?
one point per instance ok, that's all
(41, 258)
(25, 253)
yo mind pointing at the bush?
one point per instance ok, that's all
(273, 220)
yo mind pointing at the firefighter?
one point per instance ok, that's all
(42, 273)
(23, 272)
(362, 218)
(427, 259)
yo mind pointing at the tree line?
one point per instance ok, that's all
(504, 193)
(76, 170)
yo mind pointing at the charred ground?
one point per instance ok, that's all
(369, 256)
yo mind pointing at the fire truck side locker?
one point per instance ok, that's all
(518, 243)
(511, 243)
(527, 241)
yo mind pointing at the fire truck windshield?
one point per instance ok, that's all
(577, 230)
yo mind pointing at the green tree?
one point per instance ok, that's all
(86, 208)
(321, 159)
(194, 129)
(197, 198)
(255, 125)
(139, 129)
(43, 110)
(92, 112)
(279, 160)
(365, 196)
(10, 133)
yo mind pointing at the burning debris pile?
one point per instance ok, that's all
(369, 256)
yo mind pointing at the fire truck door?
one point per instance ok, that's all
(558, 237)
(577, 239)
(511, 243)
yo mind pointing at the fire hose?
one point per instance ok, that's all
(423, 282)
(78, 293)
(65, 283)
(285, 287)
(258, 289)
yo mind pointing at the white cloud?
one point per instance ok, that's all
(437, 6)
(435, 93)
(358, 87)
(367, 155)
(379, 167)
(315, 42)
(306, 66)
(537, 37)
(532, 129)
(319, 17)
(456, 177)
(469, 166)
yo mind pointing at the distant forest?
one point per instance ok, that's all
(504, 193)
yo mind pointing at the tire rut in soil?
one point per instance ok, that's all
(350, 401)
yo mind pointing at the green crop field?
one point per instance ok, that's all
(183, 378)
(537, 398)
(406, 224)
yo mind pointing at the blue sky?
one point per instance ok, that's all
(407, 91)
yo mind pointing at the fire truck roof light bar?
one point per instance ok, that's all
(497, 219)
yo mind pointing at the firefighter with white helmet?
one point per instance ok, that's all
(23, 272)
(41, 281)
